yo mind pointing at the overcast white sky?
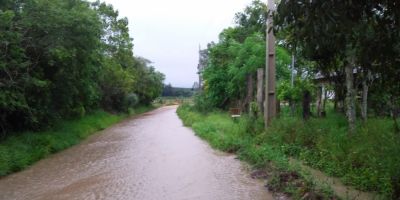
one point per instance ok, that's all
(168, 32)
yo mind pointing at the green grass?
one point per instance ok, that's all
(244, 138)
(22, 150)
(368, 159)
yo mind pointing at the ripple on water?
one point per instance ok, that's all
(149, 157)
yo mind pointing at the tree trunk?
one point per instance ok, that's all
(323, 114)
(260, 90)
(306, 105)
(364, 105)
(394, 113)
(292, 106)
(350, 97)
(319, 101)
(340, 96)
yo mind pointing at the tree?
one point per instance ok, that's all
(342, 33)
(151, 84)
(234, 60)
(168, 90)
(63, 58)
(47, 55)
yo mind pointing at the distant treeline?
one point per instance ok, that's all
(170, 91)
(63, 58)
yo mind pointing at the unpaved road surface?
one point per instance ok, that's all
(148, 157)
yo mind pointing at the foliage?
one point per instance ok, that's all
(240, 137)
(61, 59)
(323, 143)
(202, 102)
(287, 92)
(131, 100)
(369, 162)
(151, 84)
(238, 54)
(338, 34)
(327, 38)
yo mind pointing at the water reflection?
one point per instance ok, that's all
(150, 157)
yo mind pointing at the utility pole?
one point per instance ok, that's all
(270, 95)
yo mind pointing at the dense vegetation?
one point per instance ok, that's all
(244, 138)
(346, 53)
(61, 59)
(359, 160)
(356, 45)
(233, 61)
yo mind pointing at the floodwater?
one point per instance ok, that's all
(149, 157)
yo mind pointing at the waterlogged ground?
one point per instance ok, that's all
(150, 157)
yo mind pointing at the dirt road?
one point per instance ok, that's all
(149, 157)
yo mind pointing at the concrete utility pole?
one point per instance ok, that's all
(270, 95)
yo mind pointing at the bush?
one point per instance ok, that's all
(131, 100)
(202, 103)
(367, 159)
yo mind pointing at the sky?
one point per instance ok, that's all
(169, 32)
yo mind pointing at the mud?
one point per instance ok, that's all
(149, 157)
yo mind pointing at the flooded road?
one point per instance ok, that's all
(149, 157)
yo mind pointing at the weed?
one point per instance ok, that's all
(247, 138)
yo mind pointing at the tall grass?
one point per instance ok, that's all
(368, 159)
(243, 138)
(22, 150)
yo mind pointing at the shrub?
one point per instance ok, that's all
(131, 100)
(368, 159)
(202, 103)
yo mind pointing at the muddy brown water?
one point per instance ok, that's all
(149, 157)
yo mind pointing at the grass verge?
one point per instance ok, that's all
(367, 159)
(22, 150)
(241, 137)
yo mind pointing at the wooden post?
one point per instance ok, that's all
(270, 96)
(250, 93)
(260, 90)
